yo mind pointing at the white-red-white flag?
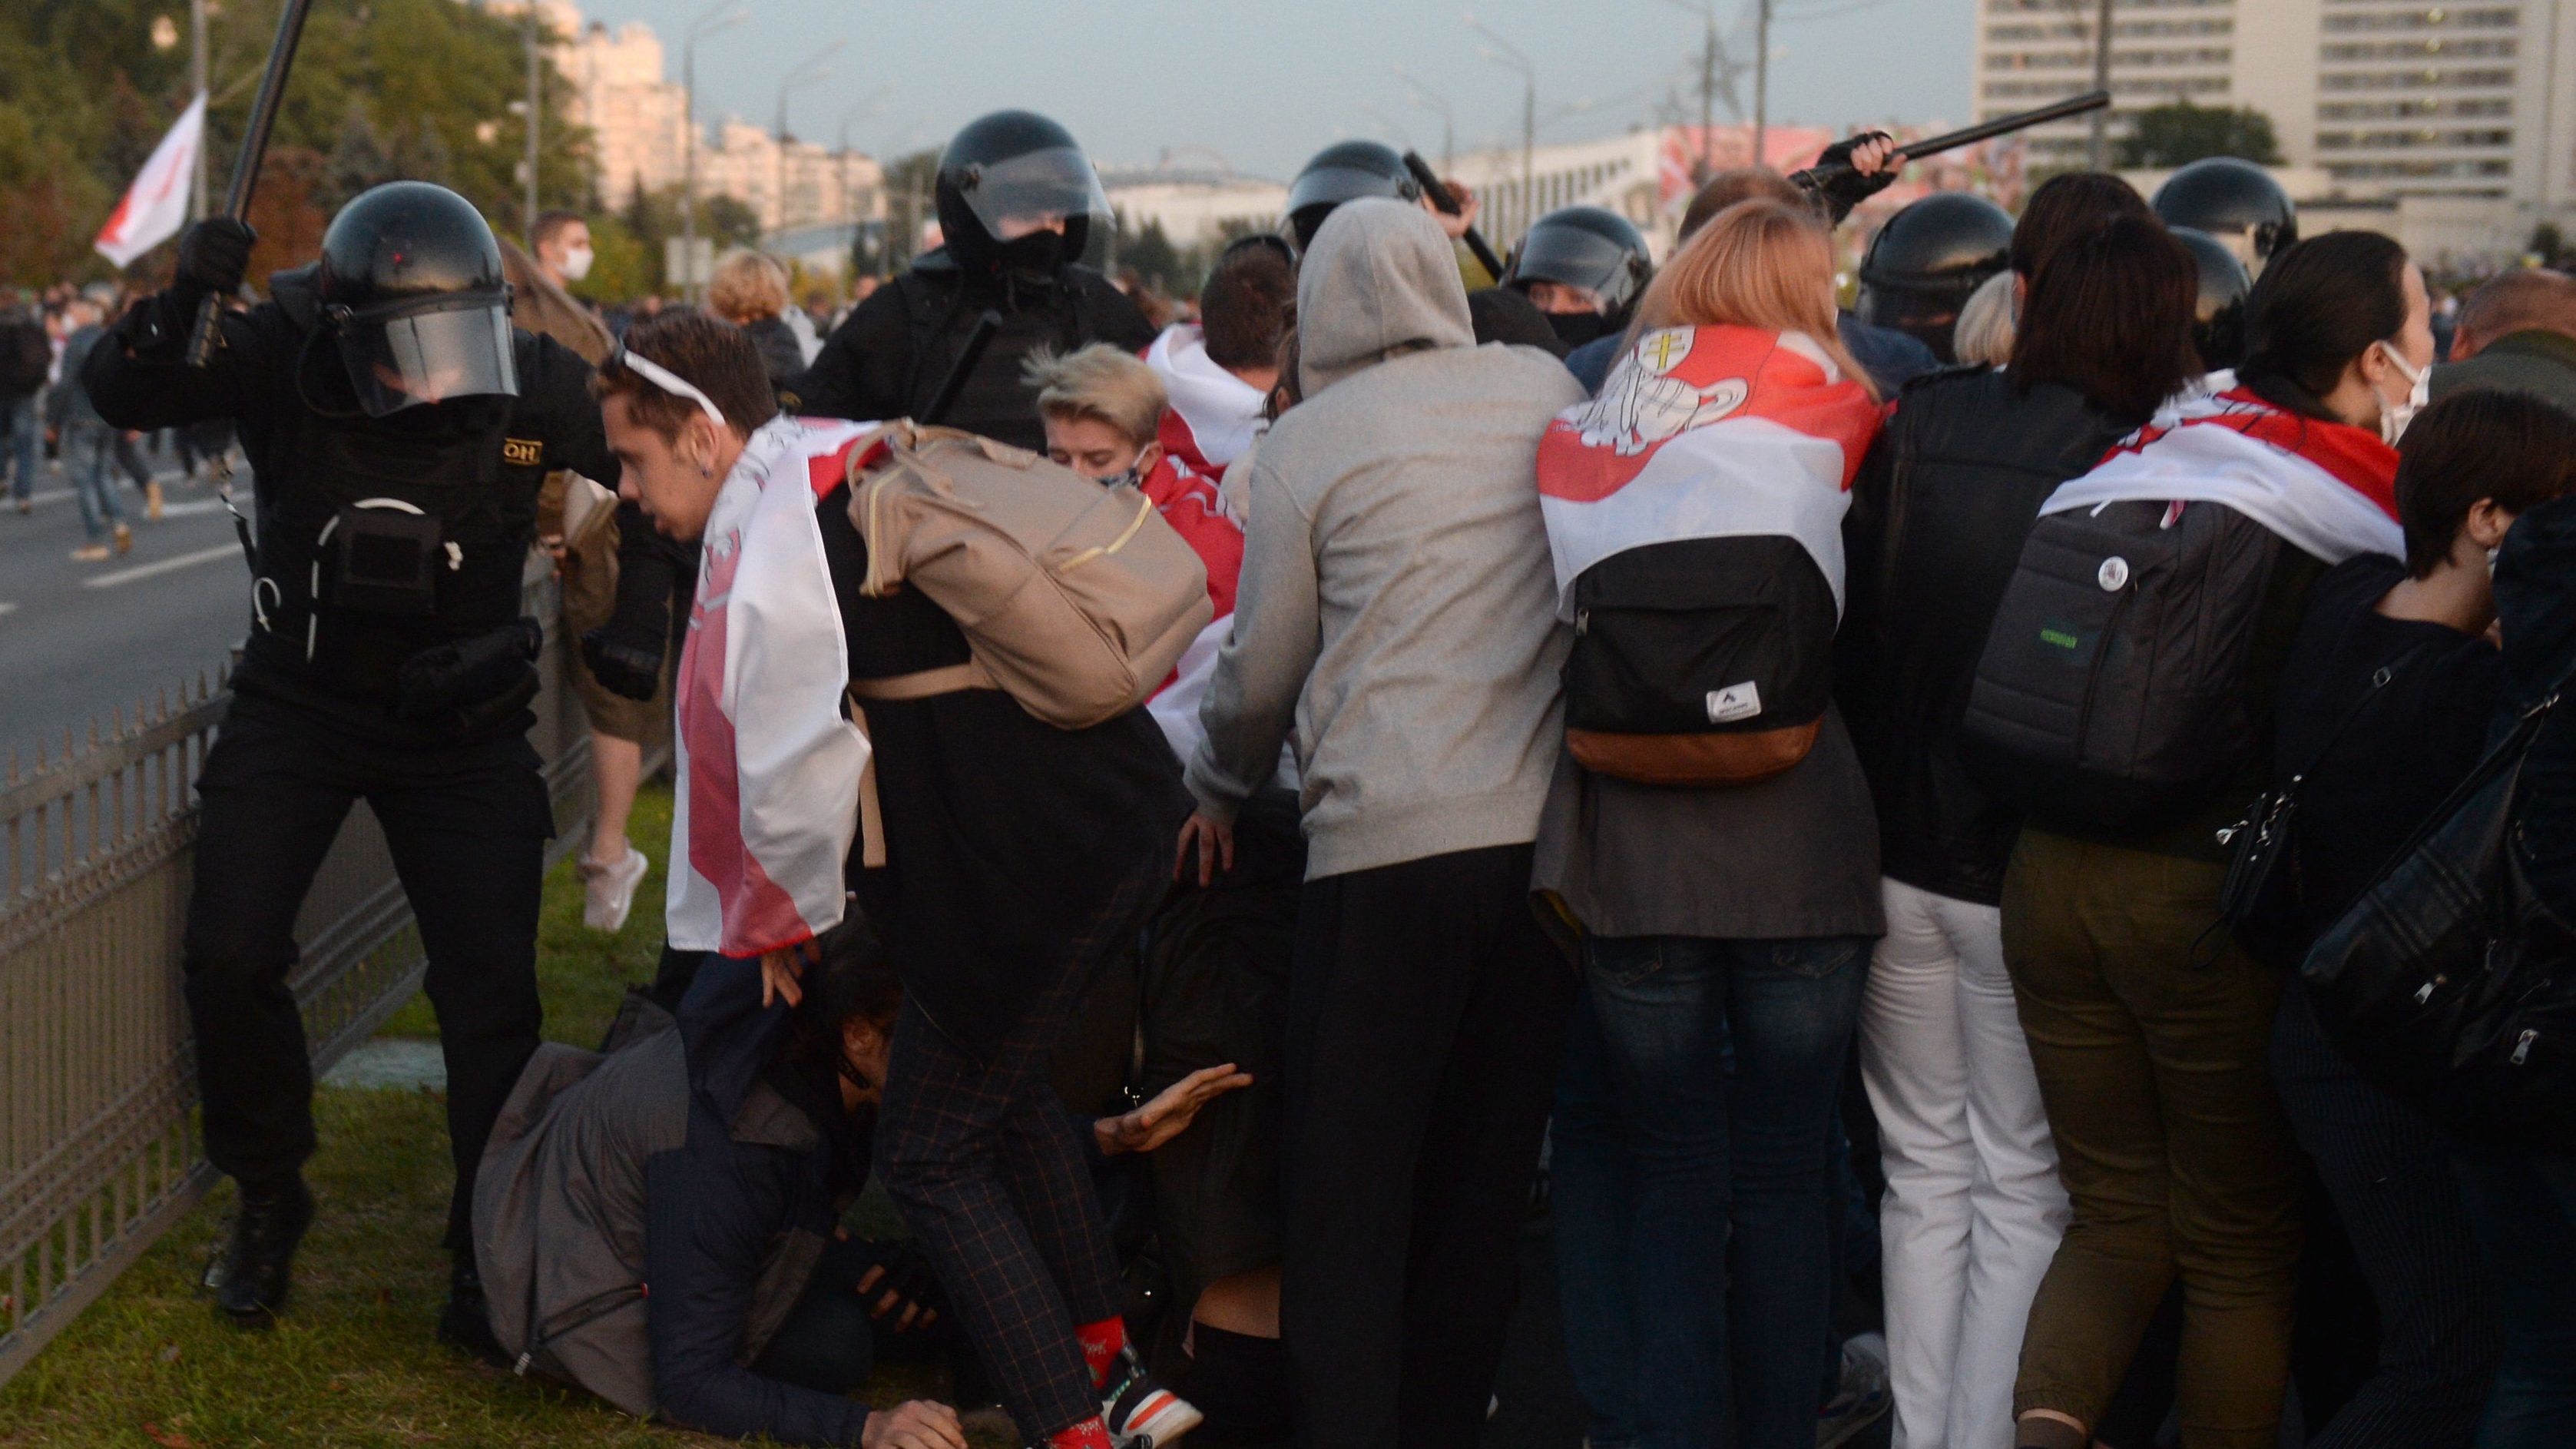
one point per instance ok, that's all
(1706, 432)
(156, 205)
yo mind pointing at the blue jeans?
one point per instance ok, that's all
(88, 450)
(2522, 1210)
(25, 437)
(1675, 1174)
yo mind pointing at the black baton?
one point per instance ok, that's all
(254, 149)
(1815, 177)
(1446, 204)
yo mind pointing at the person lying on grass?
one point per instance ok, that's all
(657, 1222)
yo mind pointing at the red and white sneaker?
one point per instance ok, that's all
(1140, 1413)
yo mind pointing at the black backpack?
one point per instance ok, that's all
(1700, 662)
(2114, 692)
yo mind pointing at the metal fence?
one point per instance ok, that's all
(99, 1151)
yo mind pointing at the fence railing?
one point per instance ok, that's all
(99, 1151)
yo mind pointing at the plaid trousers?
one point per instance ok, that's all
(989, 1171)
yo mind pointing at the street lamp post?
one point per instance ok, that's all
(1761, 76)
(2101, 141)
(1503, 53)
(197, 74)
(723, 15)
(1430, 100)
(536, 93)
(815, 68)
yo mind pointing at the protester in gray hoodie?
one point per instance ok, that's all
(1397, 607)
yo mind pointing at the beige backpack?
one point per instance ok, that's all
(1076, 599)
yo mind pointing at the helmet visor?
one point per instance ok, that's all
(1033, 192)
(1333, 185)
(1573, 257)
(409, 358)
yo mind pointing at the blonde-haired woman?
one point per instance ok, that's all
(749, 290)
(1707, 481)
(1984, 334)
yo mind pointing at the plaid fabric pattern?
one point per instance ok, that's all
(989, 1172)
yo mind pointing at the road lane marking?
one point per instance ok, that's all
(159, 567)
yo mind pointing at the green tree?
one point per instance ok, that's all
(2181, 133)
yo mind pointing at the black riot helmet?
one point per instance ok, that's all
(1345, 171)
(1004, 180)
(2218, 318)
(2235, 201)
(1928, 260)
(1590, 247)
(410, 284)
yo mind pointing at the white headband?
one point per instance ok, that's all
(668, 381)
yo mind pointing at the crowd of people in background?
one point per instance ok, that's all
(1840, 811)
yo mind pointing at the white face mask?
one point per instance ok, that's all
(2393, 417)
(576, 264)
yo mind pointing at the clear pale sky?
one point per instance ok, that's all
(1266, 85)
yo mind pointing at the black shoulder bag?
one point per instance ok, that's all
(2264, 901)
(2449, 983)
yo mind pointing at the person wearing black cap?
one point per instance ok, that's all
(1584, 268)
(399, 429)
(1017, 199)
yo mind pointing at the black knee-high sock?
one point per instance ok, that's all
(1241, 1384)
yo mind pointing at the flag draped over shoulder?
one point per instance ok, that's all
(769, 766)
(1706, 432)
(1214, 413)
(2327, 489)
(1188, 502)
(156, 205)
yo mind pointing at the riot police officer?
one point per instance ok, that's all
(1584, 267)
(400, 429)
(2235, 201)
(2218, 315)
(1348, 170)
(1926, 261)
(1017, 199)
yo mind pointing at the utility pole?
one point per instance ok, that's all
(1502, 52)
(1707, 93)
(197, 73)
(814, 69)
(1431, 100)
(724, 14)
(1761, 76)
(2101, 147)
(536, 97)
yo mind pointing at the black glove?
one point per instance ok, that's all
(909, 1281)
(214, 256)
(1843, 188)
(624, 666)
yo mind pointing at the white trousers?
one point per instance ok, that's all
(1974, 1208)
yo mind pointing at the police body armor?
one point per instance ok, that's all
(390, 551)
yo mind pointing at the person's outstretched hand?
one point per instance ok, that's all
(1468, 208)
(1209, 842)
(919, 1424)
(780, 969)
(1169, 1114)
(1872, 163)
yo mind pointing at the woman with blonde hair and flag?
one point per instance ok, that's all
(1709, 835)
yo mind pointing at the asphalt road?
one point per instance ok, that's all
(78, 641)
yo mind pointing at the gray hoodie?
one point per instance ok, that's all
(1396, 604)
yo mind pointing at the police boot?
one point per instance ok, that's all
(466, 1322)
(251, 1276)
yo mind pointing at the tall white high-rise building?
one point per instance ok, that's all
(2473, 101)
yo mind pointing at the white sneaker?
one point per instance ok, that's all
(608, 891)
(1862, 1399)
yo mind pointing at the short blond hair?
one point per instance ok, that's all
(1987, 326)
(746, 287)
(1100, 381)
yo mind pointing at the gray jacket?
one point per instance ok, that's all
(1397, 604)
(2535, 361)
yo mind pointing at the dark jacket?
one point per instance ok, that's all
(1939, 513)
(26, 355)
(2535, 591)
(2536, 361)
(888, 358)
(1006, 837)
(680, 1160)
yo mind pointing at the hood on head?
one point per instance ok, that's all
(1381, 278)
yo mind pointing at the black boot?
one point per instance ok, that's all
(250, 1277)
(466, 1322)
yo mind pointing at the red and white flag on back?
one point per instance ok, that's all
(156, 205)
(1706, 432)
